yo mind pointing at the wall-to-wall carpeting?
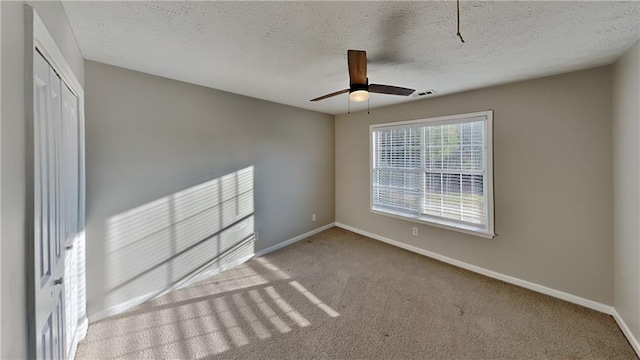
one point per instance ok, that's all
(341, 295)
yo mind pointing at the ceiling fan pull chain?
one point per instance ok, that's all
(348, 106)
(458, 33)
(368, 107)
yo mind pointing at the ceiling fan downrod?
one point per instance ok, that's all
(458, 33)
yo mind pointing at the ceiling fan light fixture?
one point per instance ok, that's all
(359, 87)
(359, 95)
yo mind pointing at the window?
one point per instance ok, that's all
(437, 171)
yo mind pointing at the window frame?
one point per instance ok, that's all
(485, 232)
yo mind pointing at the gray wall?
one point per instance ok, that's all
(552, 178)
(149, 138)
(0, 176)
(1, 269)
(13, 171)
(626, 187)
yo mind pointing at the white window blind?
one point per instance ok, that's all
(436, 171)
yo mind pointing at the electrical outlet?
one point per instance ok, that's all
(255, 236)
(313, 217)
(415, 231)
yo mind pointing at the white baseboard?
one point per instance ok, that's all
(210, 271)
(635, 343)
(126, 305)
(294, 240)
(607, 309)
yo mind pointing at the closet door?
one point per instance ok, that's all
(74, 251)
(56, 298)
(44, 285)
(48, 211)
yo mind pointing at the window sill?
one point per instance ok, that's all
(443, 224)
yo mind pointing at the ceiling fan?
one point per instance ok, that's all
(359, 87)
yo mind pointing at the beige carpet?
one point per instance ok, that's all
(339, 295)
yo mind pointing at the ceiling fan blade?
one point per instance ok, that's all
(357, 60)
(330, 95)
(391, 90)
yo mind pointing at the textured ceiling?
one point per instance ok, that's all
(290, 52)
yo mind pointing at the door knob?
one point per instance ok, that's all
(57, 281)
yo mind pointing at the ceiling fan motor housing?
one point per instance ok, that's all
(355, 87)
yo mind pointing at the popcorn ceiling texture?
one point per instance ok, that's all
(290, 52)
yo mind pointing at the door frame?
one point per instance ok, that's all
(37, 38)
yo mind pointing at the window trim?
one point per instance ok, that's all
(487, 232)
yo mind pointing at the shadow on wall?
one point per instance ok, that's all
(167, 242)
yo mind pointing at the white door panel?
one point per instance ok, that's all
(57, 219)
(74, 253)
(56, 195)
(57, 292)
(46, 339)
(45, 303)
